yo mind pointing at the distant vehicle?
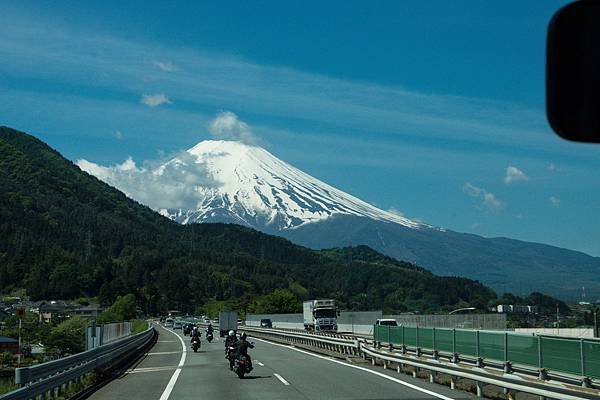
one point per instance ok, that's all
(266, 323)
(227, 322)
(207, 320)
(169, 322)
(386, 322)
(320, 315)
(177, 325)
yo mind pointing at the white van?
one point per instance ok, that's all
(386, 322)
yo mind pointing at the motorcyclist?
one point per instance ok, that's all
(195, 334)
(242, 347)
(209, 329)
(230, 341)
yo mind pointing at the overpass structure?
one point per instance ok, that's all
(294, 364)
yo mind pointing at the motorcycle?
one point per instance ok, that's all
(195, 344)
(209, 336)
(241, 366)
(229, 354)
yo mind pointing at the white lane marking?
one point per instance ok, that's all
(410, 385)
(261, 364)
(286, 383)
(167, 341)
(167, 392)
(160, 353)
(149, 369)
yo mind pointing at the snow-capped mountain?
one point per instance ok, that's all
(253, 187)
(226, 181)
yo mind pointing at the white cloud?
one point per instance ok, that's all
(217, 80)
(227, 126)
(514, 174)
(153, 100)
(165, 66)
(488, 199)
(168, 186)
(555, 201)
(118, 135)
(552, 167)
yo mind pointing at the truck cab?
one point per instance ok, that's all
(320, 315)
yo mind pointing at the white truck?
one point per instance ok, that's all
(320, 315)
(227, 322)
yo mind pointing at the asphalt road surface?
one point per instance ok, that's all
(171, 370)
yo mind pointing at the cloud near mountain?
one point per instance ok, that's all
(168, 186)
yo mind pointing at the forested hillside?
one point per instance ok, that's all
(65, 234)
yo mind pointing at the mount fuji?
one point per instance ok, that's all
(247, 185)
(256, 189)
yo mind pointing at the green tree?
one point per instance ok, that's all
(280, 301)
(68, 337)
(123, 309)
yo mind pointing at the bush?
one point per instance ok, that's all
(6, 359)
(68, 337)
(123, 309)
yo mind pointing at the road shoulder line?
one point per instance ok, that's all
(401, 382)
(167, 392)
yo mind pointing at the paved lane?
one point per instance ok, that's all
(279, 373)
(149, 377)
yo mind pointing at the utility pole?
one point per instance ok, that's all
(20, 315)
(88, 245)
(596, 330)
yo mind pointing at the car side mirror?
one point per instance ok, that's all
(573, 72)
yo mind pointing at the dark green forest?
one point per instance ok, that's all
(65, 234)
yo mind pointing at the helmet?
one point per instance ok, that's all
(243, 336)
(231, 333)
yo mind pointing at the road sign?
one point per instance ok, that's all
(20, 312)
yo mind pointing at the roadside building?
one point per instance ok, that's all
(9, 345)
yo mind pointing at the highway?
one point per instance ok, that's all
(171, 370)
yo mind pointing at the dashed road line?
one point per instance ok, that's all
(261, 364)
(160, 353)
(286, 383)
(149, 369)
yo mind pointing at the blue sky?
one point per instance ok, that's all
(434, 109)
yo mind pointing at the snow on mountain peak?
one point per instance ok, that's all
(254, 188)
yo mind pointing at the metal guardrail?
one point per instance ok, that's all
(569, 388)
(51, 376)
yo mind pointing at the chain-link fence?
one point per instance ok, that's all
(461, 321)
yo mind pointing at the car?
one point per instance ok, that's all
(177, 325)
(169, 322)
(386, 322)
(207, 320)
(266, 323)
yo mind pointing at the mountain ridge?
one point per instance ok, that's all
(67, 234)
(251, 187)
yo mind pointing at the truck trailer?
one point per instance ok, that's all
(227, 322)
(320, 315)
